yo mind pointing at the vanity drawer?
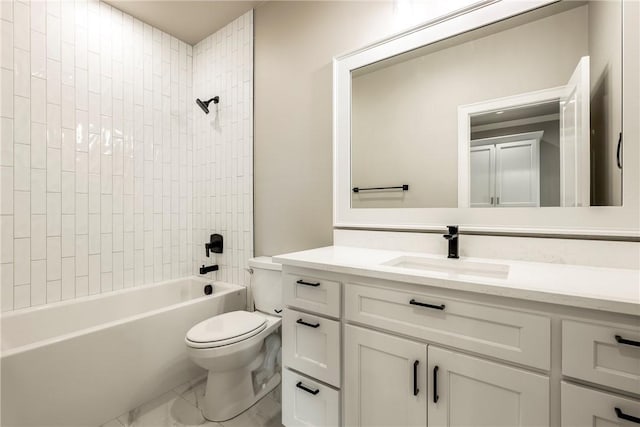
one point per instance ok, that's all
(592, 352)
(311, 293)
(500, 332)
(308, 403)
(582, 406)
(311, 344)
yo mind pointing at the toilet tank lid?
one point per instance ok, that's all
(264, 262)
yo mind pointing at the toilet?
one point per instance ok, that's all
(241, 349)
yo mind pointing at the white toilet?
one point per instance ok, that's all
(241, 349)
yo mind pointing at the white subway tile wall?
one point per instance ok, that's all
(223, 149)
(103, 184)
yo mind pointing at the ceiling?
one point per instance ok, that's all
(190, 21)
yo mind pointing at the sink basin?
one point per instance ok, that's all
(451, 266)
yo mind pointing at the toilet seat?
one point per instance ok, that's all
(225, 329)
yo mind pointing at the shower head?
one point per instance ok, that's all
(205, 104)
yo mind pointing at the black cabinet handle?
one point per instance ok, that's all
(627, 342)
(424, 304)
(302, 322)
(435, 384)
(618, 160)
(624, 416)
(277, 311)
(416, 390)
(307, 389)
(302, 282)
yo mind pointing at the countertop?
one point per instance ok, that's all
(607, 289)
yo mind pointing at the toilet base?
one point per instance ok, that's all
(228, 394)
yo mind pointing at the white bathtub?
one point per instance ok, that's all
(86, 361)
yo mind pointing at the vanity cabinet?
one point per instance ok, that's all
(395, 381)
(603, 354)
(312, 345)
(370, 351)
(312, 293)
(384, 380)
(470, 391)
(307, 402)
(311, 350)
(606, 354)
(503, 332)
(583, 406)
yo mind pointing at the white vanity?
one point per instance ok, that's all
(374, 337)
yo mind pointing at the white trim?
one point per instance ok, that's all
(516, 137)
(580, 221)
(517, 122)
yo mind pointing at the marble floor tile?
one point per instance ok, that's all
(193, 391)
(113, 423)
(153, 413)
(180, 408)
(265, 413)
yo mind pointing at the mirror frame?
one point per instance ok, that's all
(595, 222)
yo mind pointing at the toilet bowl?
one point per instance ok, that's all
(240, 349)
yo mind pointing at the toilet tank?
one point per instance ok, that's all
(266, 285)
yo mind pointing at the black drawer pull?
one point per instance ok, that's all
(277, 311)
(302, 282)
(435, 384)
(307, 389)
(627, 342)
(302, 322)
(424, 304)
(624, 416)
(416, 390)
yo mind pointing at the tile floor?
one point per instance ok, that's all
(179, 408)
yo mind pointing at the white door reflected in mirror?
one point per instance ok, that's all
(504, 171)
(575, 139)
(528, 150)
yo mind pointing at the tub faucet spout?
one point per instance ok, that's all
(205, 270)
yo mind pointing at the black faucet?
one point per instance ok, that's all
(452, 237)
(214, 245)
(205, 270)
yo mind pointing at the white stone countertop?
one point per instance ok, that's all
(607, 289)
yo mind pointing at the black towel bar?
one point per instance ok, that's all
(403, 187)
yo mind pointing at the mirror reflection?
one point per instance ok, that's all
(525, 112)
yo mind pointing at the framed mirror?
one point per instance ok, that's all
(502, 117)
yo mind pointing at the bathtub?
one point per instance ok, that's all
(86, 361)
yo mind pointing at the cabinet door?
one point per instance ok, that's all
(481, 185)
(517, 175)
(583, 406)
(384, 382)
(467, 391)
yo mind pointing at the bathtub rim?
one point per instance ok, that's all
(230, 287)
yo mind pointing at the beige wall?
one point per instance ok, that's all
(295, 43)
(405, 116)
